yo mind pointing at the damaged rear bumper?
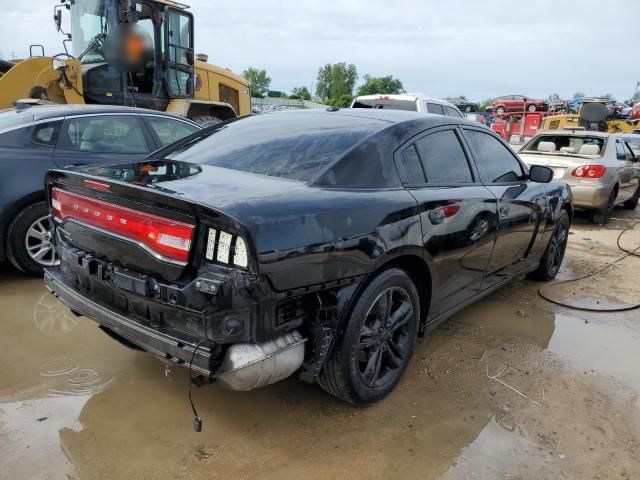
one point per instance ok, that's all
(242, 366)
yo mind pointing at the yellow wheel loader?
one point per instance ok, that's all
(162, 74)
(592, 115)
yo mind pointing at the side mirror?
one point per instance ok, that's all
(540, 174)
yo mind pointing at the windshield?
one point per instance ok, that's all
(90, 22)
(566, 144)
(290, 145)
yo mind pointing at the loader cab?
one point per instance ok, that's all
(169, 71)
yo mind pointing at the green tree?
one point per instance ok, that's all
(579, 95)
(336, 80)
(343, 101)
(554, 97)
(373, 85)
(482, 107)
(258, 80)
(608, 96)
(301, 92)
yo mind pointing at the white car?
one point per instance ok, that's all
(406, 101)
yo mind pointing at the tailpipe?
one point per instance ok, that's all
(253, 365)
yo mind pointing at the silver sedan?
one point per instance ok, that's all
(601, 168)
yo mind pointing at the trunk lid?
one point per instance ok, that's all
(562, 165)
(148, 231)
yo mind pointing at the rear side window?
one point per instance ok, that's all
(452, 112)
(443, 158)
(46, 133)
(435, 108)
(496, 163)
(168, 130)
(411, 165)
(621, 151)
(104, 134)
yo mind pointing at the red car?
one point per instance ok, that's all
(517, 103)
(635, 111)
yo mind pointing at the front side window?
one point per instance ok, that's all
(109, 133)
(168, 130)
(496, 163)
(443, 158)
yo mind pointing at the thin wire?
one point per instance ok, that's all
(628, 253)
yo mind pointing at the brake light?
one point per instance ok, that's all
(103, 187)
(589, 171)
(169, 238)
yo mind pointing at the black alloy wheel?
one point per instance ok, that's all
(385, 339)
(373, 348)
(554, 254)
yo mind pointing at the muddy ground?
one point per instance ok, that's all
(513, 387)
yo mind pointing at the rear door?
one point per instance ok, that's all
(456, 213)
(520, 204)
(91, 139)
(627, 174)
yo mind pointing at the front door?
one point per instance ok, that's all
(520, 204)
(456, 214)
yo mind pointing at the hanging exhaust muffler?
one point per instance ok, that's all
(253, 365)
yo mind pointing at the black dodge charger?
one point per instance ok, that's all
(323, 242)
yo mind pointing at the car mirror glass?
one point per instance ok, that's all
(540, 174)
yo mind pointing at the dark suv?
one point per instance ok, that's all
(37, 138)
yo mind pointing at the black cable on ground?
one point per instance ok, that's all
(628, 253)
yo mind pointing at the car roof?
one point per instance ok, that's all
(43, 112)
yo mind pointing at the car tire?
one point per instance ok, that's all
(554, 254)
(468, 109)
(370, 355)
(500, 110)
(531, 107)
(29, 235)
(632, 203)
(206, 120)
(602, 215)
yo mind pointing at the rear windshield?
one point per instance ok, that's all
(12, 118)
(386, 103)
(294, 145)
(566, 144)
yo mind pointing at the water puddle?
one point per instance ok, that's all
(611, 350)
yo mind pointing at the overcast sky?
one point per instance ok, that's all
(477, 48)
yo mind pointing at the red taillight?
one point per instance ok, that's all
(169, 238)
(103, 187)
(589, 171)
